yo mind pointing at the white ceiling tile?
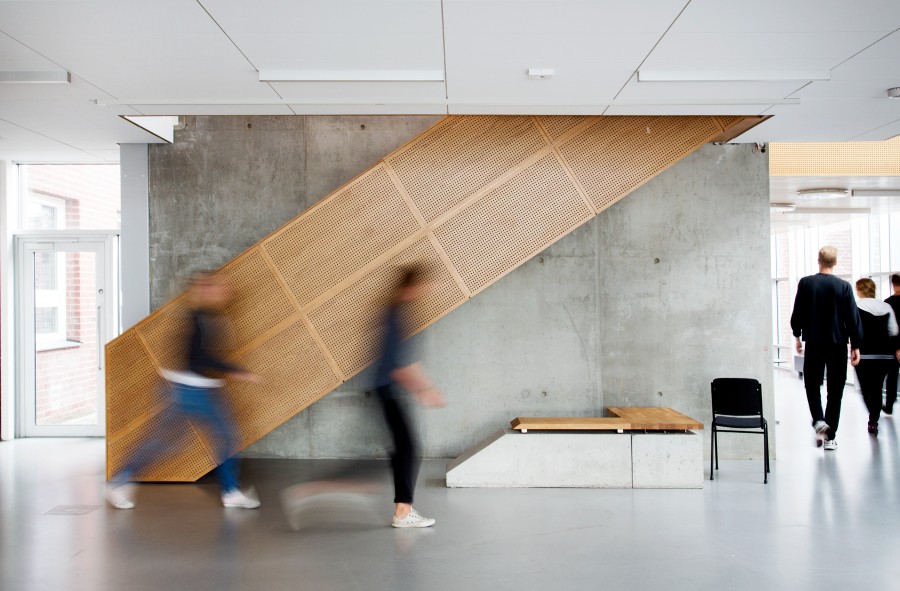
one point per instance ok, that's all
(214, 109)
(825, 120)
(494, 109)
(574, 82)
(364, 92)
(21, 145)
(884, 132)
(686, 109)
(464, 17)
(328, 35)
(388, 109)
(15, 57)
(789, 16)
(710, 91)
(136, 49)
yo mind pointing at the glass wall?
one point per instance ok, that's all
(67, 198)
(868, 246)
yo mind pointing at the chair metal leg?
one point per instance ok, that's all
(712, 447)
(765, 454)
(716, 438)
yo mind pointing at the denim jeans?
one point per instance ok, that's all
(206, 410)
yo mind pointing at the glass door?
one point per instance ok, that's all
(67, 313)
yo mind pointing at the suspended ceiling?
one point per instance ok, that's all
(820, 68)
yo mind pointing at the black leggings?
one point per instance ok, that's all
(404, 462)
(871, 374)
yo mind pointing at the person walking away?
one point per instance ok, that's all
(877, 349)
(825, 316)
(890, 386)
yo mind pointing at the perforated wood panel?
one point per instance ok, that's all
(341, 235)
(296, 373)
(835, 159)
(472, 198)
(496, 233)
(350, 322)
(442, 169)
(557, 125)
(618, 154)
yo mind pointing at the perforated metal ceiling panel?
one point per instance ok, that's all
(470, 199)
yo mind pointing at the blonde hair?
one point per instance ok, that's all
(828, 256)
(865, 287)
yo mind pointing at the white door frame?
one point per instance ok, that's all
(105, 245)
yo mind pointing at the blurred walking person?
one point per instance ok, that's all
(195, 392)
(396, 372)
(878, 353)
(825, 316)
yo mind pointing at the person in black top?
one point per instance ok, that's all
(397, 367)
(825, 316)
(890, 386)
(197, 399)
(877, 350)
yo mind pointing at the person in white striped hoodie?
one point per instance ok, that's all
(877, 348)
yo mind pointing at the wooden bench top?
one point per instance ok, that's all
(626, 419)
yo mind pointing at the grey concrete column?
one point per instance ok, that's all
(135, 245)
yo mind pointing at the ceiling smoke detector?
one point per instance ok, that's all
(822, 194)
(894, 93)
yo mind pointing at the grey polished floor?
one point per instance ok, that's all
(825, 520)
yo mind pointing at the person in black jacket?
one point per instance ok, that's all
(877, 350)
(825, 316)
(890, 385)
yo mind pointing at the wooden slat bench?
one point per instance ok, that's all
(626, 419)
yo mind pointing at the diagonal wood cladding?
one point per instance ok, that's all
(474, 197)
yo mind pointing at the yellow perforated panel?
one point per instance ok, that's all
(165, 335)
(310, 297)
(498, 232)
(342, 234)
(296, 374)
(835, 159)
(182, 454)
(259, 301)
(133, 384)
(557, 125)
(454, 161)
(617, 154)
(350, 322)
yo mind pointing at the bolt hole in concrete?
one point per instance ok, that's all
(659, 394)
(543, 394)
(362, 126)
(249, 125)
(655, 261)
(541, 260)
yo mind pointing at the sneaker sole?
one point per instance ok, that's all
(421, 524)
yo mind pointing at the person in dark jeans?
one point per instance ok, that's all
(395, 367)
(877, 350)
(824, 317)
(890, 386)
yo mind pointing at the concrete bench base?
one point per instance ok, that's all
(509, 459)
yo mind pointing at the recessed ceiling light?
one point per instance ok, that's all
(894, 92)
(876, 192)
(822, 194)
(782, 207)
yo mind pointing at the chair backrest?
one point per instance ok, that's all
(739, 397)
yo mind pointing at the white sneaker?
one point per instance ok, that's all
(830, 444)
(240, 500)
(120, 496)
(821, 428)
(412, 520)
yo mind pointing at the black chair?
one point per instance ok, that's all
(737, 408)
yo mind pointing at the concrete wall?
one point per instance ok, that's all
(227, 182)
(594, 321)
